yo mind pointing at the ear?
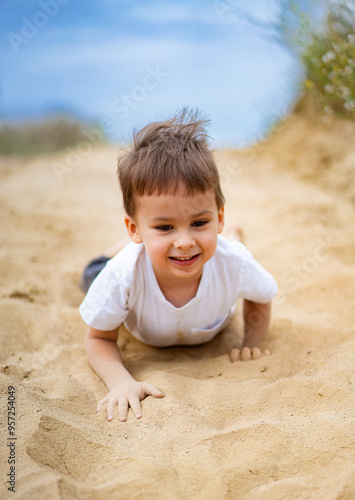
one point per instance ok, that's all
(132, 229)
(220, 219)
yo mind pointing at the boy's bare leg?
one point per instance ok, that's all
(234, 232)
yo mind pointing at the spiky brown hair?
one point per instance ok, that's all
(167, 154)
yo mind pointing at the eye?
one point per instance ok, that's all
(200, 223)
(164, 228)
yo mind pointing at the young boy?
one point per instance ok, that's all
(177, 281)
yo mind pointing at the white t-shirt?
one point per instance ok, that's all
(126, 291)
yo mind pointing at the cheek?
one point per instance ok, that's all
(156, 246)
(209, 241)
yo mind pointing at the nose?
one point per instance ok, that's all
(184, 240)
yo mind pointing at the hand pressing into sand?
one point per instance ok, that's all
(128, 393)
(105, 357)
(256, 322)
(246, 354)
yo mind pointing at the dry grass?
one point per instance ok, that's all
(37, 137)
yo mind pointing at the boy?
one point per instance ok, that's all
(177, 281)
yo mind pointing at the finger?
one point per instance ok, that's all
(111, 407)
(234, 355)
(150, 390)
(122, 409)
(136, 406)
(245, 354)
(101, 403)
(256, 353)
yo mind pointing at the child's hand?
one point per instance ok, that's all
(246, 354)
(128, 393)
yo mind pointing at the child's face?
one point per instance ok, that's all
(179, 231)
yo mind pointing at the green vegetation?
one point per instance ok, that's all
(328, 55)
(37, 137)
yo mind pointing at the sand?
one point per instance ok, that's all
(281, 427)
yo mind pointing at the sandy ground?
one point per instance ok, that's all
(281, 427)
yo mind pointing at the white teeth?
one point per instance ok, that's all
(182, 258)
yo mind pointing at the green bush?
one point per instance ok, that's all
(329, 58)
(37, 137)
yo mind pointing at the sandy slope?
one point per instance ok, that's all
(278, 428)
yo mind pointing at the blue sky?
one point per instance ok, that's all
(128, 62)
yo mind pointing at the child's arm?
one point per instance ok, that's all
(256, 324)
(105, 358)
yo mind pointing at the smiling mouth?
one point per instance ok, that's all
(185, 260)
